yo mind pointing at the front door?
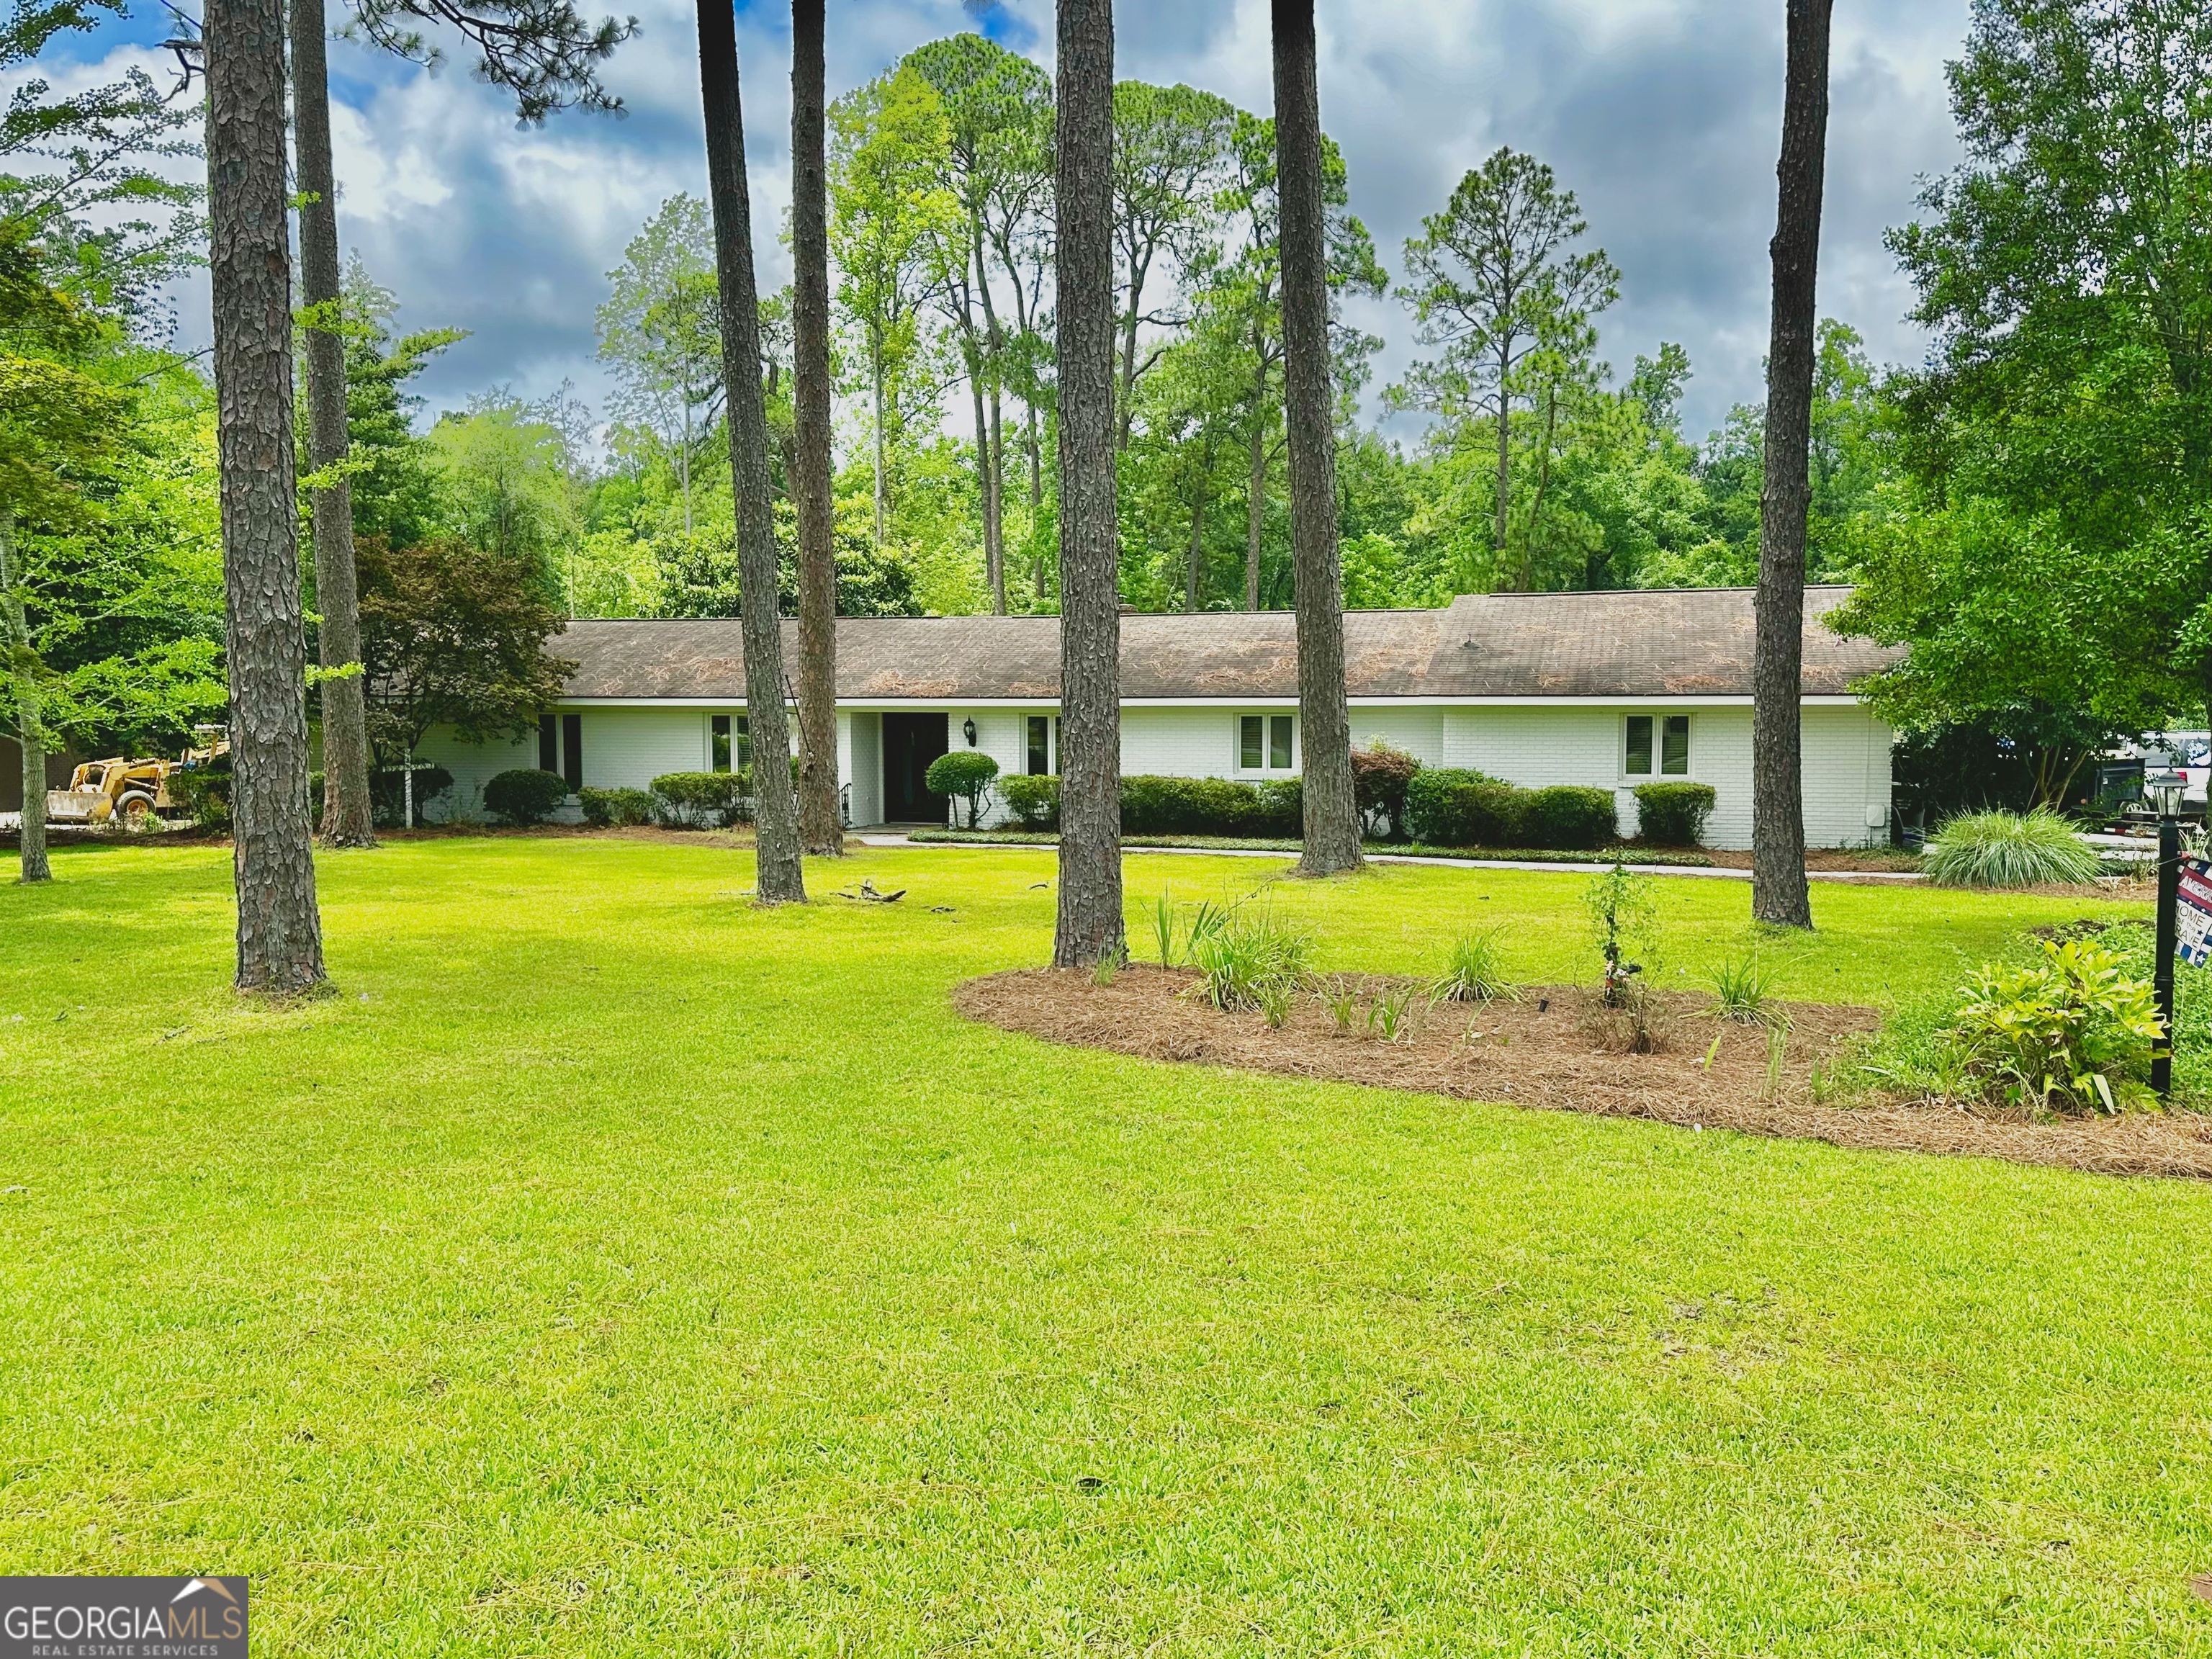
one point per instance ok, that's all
(910, 743)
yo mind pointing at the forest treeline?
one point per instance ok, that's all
(2026, 509)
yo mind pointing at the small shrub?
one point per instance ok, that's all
(698, 800)
(1474, 973)
(1571, 818)
(202, 794)
(387, 793)
(1034, 801)
(1253, 952)
(607, 808)
(1380, 775)
(1275, 997)
(1672, 814)
(2069, 1034)
(1340, 994)
(1455, 806)
(1153, 806)
(1744, 991)
(526, 796)
(2009, 849)
(1623, 917)
(964, 774)
(1390, 1013)
(1282, 806)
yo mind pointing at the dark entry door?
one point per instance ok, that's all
(910, 743)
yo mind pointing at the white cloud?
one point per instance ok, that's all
(1663, 115)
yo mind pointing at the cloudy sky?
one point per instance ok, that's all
(1661, 115)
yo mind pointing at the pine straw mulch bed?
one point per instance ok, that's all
(1541, 1052)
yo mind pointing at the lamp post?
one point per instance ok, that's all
(2163, 790)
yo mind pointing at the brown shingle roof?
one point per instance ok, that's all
(1633, 643)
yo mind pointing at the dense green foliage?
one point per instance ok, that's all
(2050, 558)
(1451, 806)
(2071, 1033)
(699, 800)
(1672, 814)
(525, 795)
(2001, 849)
(1034, 801)
(615, 808)
(964, 775)
(1210, 806)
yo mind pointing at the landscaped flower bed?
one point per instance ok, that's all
(1544, 1050)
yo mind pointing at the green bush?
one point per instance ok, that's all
(526, 795)
(1569, 816)
(1456, 806)
(2070, 1033)
(387, 793)
(202, 794)
(606, 808)
(1034, 801)
(698, 800)
(1154, 805)
(2009, 849)
(963, 775)
(1379, 777)
(1672, 814)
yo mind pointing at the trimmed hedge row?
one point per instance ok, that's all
(1448, 807)
(1172, 806)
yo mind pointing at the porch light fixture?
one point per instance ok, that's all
(968, 730)
(2164, 791)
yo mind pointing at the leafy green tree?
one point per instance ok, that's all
(454, 634)
(994, 105)
(658, 332)
(511, 483)
(2049, 563)
(1495, 286)
(892, 217)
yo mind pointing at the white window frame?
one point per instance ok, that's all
(1265, 770)
(1658, 774)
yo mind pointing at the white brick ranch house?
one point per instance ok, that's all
(1608, 689)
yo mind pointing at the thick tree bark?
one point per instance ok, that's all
(1779, 891)
(1089, 929)
(347, 818)
(23, 688)
(1332, 821)
(781, 876)
(280, 935)
(820, 822)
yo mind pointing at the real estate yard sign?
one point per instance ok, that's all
(2193, 914)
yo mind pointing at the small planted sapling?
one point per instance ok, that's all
(1623, 917)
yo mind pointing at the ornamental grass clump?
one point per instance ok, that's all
(1254, 959)
(1745, 990)
(1474, 972)
(2009, 849)
(2071, 1034)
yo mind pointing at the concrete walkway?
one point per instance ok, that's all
(1846, 878)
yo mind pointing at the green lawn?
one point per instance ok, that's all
(613, 1269)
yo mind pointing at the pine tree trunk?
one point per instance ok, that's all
(820, 822)
(1089, 929)
(30, 711)
(1332, 821)
(994, 558)
(1779, 891)
(781, 874)
(882, 460)
(348, 820)
(1255, 503)
(1193, 572)
(280, 936)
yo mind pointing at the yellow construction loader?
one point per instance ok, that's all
(128, 791)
